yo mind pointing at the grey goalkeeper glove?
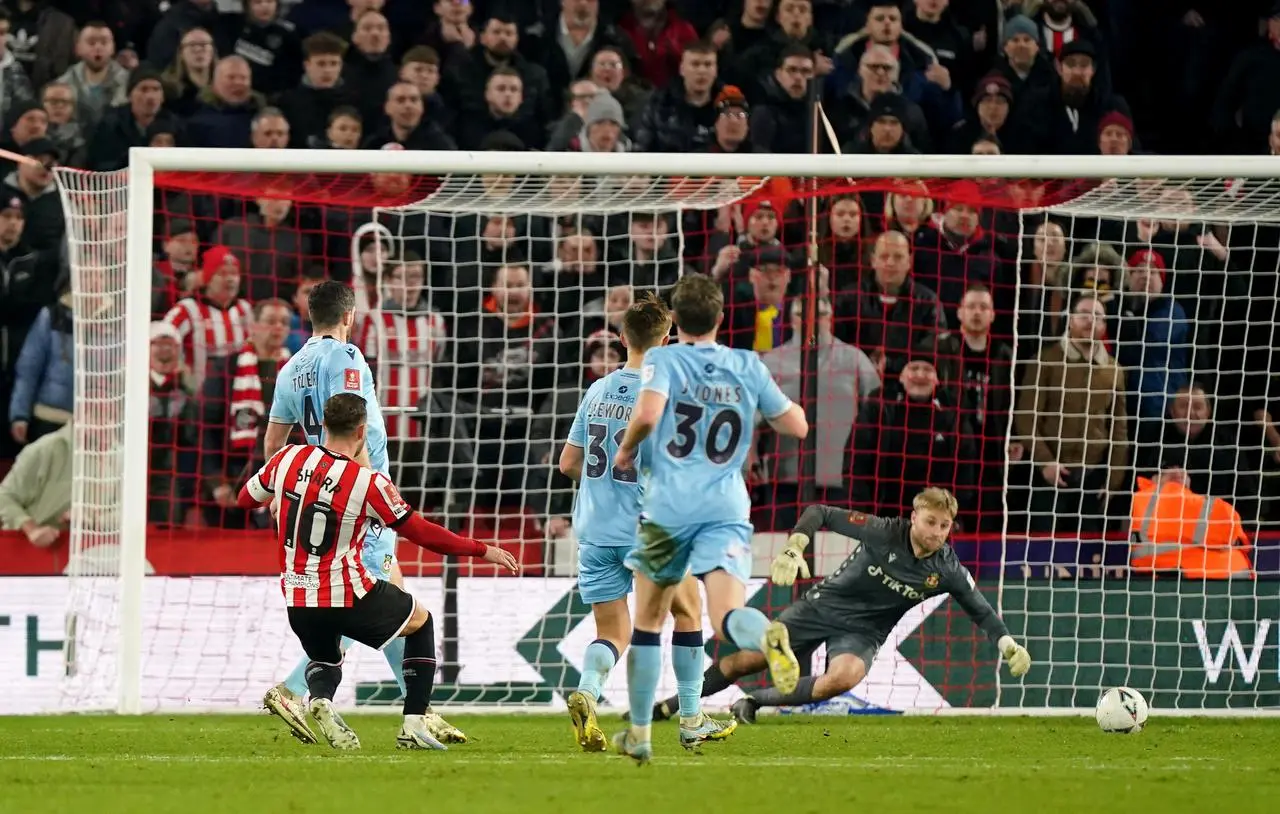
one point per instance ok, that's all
(790, 561)
(1016, 655)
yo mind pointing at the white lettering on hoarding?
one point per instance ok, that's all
(1214, 662)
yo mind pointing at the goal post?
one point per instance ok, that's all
(515, 643)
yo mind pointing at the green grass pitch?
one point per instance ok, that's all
(529, 764)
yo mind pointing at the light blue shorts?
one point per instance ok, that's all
(603, 575)
(666, 555)
(380, 553)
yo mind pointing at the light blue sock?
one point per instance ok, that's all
(394, 654)
(745, 627)
(687, 659)
(596, 664)
(644, 668)
(296, 683)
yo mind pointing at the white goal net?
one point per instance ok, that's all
(1086, 362)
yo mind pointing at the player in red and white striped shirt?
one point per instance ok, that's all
(215, 322)
(325, 502)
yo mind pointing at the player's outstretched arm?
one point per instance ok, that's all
(790, 561)
(422, 532)
(985, 617)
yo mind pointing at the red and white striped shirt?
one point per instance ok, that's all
(401, 348)
(209, 331)
(326, 504)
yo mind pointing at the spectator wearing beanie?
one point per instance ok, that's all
(1064, 119)
(214, 321)
(25, 121)
(990, 116)
(886, 129)
(733, 128)
(1063, 22)
(35, 184)
(1115, 134)
(126, 125)
(602, 128)
(1022, 60)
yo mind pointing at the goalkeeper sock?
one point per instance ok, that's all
(802, 695)
(644, 668)
(745, 628)
(713, 681)
(296, 682)
(599, 659)
(419, 668)
(687, 658)
(323, 679)
(394, 654)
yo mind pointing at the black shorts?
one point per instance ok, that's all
(809, 625)
(374, 620)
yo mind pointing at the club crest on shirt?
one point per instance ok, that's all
(931, 582)
(351, 380)
(386, 564)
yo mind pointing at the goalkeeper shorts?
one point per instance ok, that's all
(809, 625)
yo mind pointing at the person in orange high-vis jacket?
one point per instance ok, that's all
(1175, 529)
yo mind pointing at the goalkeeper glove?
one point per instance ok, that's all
(1016, 655)
(789, 561)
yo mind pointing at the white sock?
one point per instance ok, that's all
(640, 734)
(413, 719)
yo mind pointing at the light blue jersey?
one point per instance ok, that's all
(608, 500)
(696, 509)
(323, 368)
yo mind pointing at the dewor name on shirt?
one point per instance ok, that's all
(304, 380)
(607, 410)
(714, 394)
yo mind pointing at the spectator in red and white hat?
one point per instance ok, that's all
(213, 322)
(1152, 337)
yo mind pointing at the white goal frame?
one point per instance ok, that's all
(144, 162)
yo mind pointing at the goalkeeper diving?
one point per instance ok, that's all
(897, 564)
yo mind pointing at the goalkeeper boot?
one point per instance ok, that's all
(332, 728)
(441, 729)
(586, 729)
(640, 752)
(744, 710)
(706, 729)
(415, 735)
(784, 667)
(286, 706)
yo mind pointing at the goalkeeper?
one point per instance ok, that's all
(898, 564)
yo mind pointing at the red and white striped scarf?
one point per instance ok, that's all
(247, 408)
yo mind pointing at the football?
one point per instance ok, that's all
(1122, 711)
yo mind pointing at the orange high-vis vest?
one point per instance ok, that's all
(1174, 529)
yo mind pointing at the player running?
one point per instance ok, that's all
(604, 518)
(897, 565)
(701, 399)
(326, 365)
(326, 503)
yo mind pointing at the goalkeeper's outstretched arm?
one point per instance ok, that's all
(962, 590)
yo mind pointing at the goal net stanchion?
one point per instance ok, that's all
(455, 376)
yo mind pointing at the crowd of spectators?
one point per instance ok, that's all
(1034, 363)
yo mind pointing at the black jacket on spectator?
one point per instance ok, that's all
(218, 124)
(779, 125)
(181, 17)
(367, 79)
(951, 43)
(545, 50)
(850, 116)
(948, 265)
(427, 136)
(471, 129)
(271, 257)
(1054, 128)
(462, 86)
(130, 21)
(505, 367)
(115, 134)
(45, 220)
(28, 282)
(449, 52)
(1252, 89)
(307, 109)
(1042, 78)
(274, 51)
(751, 68)
(669, 124)
(863, 319)
(55, 46)
(900, 446)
